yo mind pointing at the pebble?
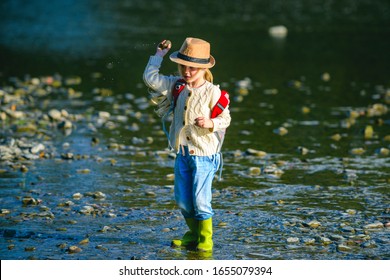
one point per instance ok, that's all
(55, 115)
(376, 225)
(369, 244)
(150, 193)
(358, 151)
(87, 210)
(314, 224)
(254, 171)
(73, 249)
(256, 153)
(336, 137)
(278, 31)
(84, 241)
(77, 196)
(343, 248)
(37, 148)
(325, 240)
(302, 150)
(30, 249)
(84, 171)
(309, 241)
(383, 151)
(293, 240)
(5, 211)
(281, 131)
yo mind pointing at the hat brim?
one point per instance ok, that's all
(177, 60)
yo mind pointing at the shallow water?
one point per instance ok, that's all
(321, 201)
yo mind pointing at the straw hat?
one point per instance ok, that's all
(194, 53)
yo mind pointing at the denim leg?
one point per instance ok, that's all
(204, 169)
(183, 186)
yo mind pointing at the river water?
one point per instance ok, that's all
(306, 159)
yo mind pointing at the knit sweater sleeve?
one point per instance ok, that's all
(154, 80)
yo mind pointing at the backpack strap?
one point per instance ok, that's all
(177, 89)
(221, 104)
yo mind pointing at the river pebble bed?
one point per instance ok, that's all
(84, 175)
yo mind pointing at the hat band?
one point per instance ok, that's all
(193, 59)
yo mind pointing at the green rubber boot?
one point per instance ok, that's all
(205, 236)
(190, 238)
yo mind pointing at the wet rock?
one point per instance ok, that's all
(368, 132)
(272, 170)
(254, 171)
(313, 224)
(256, 153)
(30, 201)
(4, 212)
(324, 240)
(55, 115)
(84, 241)
(383, 151)
(278, 31)
(358, 151)
(293, 240)
(376, 225)
(96, 195)
(309, 241)
(23, 169)
(30, 249)
(343, 248)
(222, 224)
(77, 196)
(87, 210)
(302, 150)
(67, 156)
(369, 244)
(325, 77)
(281, 131)
(84, 171)
(37, 148)
(73, 250)
(150, 193)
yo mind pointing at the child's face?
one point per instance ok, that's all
(191, 74)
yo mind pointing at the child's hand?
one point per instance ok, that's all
(204, 122)
(163, 48)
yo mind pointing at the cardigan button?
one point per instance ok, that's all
(192, 152)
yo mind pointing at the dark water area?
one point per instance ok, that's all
(306, 159)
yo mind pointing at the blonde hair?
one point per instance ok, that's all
(208, 76)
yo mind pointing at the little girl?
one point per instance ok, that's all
(192, 134)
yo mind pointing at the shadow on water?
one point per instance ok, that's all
(306, 159)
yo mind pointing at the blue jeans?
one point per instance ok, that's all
(193, 180)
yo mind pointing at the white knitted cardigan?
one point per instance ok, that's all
(192, 103)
